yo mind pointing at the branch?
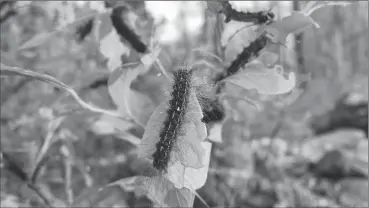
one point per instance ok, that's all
(15, 71)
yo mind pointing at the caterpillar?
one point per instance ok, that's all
(258, 18)
(172, 142)
(175, 113)
(245, 56)
(125, 31)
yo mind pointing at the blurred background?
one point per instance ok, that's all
(318, 142)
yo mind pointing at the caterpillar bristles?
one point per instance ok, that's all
(125, 31)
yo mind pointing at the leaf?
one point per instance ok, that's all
(312, 6)
(37, 40)
(295, 23)
(162, 192)
(112, 48)
(150, 58)
(106, 26)
(180, 198)
(195, 178)
(215, 134)
(110, 125)
(136, 105)
(190, 152)
(265, 81)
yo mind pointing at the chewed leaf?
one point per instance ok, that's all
(295, 23)
(265, 81)
(312, 6)
(161, 191)
(196, 178)
(180, 198)
(129, 101)
(194, 113)
(140, 107)
(191, 152)
(112, 48)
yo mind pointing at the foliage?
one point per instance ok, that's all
(258, 149)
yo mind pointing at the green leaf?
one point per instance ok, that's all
(264, 80)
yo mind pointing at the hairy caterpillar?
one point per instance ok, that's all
(175, 115)
(125, 31)
(173, 141)
(245, 56)
(258, 18)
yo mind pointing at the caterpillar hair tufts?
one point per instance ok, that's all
(259, 18)
(248, 53)
(175, 116)
(125, 31)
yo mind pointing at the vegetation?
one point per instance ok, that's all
(279, 109)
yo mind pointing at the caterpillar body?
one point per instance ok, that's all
(245, 56)
(173, 143)
(175, 117)
(258, 18)
(175, 130)
(125, 31)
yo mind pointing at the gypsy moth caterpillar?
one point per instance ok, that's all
(245, 56)
(259, 18)
(173, 123)
(173, 141)
(125, 31)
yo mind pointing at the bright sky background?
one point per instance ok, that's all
(170, 11)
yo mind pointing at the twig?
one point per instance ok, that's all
(67, 175)
(10, 71)
(40, 194)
